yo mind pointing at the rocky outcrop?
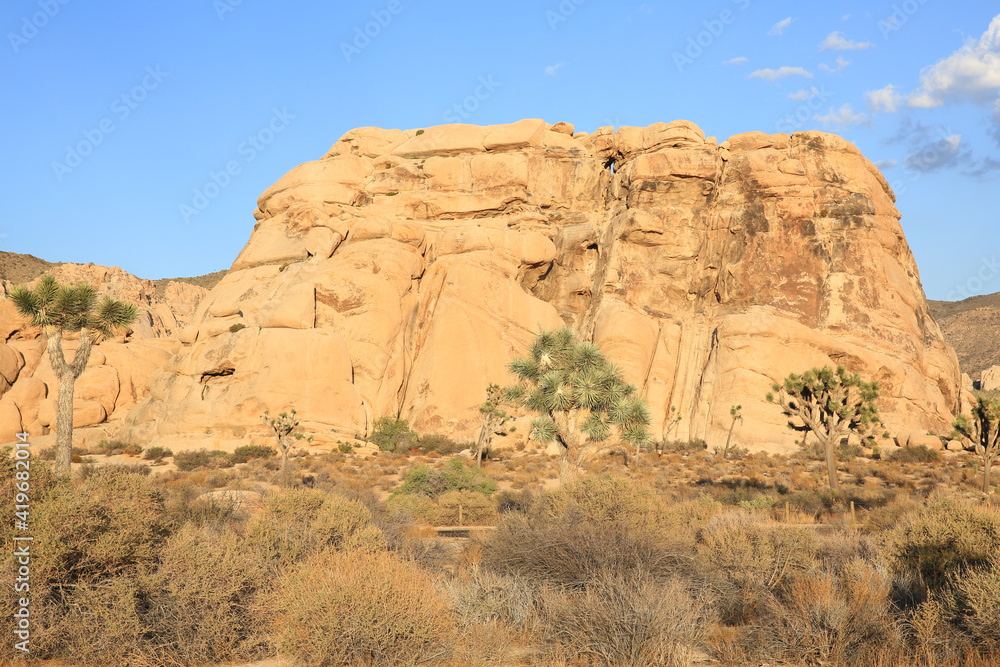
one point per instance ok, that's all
(115, 377)
(399, 274)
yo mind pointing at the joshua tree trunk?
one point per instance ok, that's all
(67, 374)
(987, 464)
(729, 439)
(832, 440)
(482, 443)
(285, 446)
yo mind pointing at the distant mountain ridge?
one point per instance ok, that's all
(971, 327)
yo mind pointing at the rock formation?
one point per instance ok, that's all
(399, 273)
(116, 374)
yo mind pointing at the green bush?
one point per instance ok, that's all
(247, 452)
(441, 444)
(115, 447)
(202, 458)
(393, 435)
(157, 453)
(915, 454)
(355, 608)
(455, 476)
(944, 539)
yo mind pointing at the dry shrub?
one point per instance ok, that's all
(483, 596)
(944, 539)
(296, 523)
(464, 508)
(751, 557)
(571, 552)
(204, 597)
(606, 498)
(199, 606)
(349, 608)
(827, 619)
(626, 620)
(94, 530)
(977, 604)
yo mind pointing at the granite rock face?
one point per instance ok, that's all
(399, 273)
(115, 377)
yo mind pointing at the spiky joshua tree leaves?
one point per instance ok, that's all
(581, 398)
(830, 403)
(286, 430)
(60, 309)
(984, 430)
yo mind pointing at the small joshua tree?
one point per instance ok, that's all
(737, 416)
(984, 430)
(831, 404)
(494, 418)
(580, 397)
(286, 430)
(60, 309)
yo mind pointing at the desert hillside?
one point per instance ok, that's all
(971, 326)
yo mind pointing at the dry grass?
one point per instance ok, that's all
(360, 609)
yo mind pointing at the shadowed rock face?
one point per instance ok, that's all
(402, 271)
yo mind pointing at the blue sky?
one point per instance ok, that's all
(141, 134)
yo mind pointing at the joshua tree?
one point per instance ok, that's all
(494, 418)
(286, 430)
(580, 396)
(984, 430)
(60, 309)
(737, 416)
(831, 404)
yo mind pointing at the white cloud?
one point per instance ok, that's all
(841, 63)
(769, 74)
(845, 17)
(739, 60)
(885, 164)
(800, 95)
(972, 73)
(552, 69)
(837, 42)
(780, 27)
(935, 155)
(884, 99)
(842, 118)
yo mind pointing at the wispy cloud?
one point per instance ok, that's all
(800, 95)
(845, 17)
(839, 64)
(837, 42)
(972, 73)
(739, 60)
(843, 118)
(885, 164)
(780, 27)
(552, 69)
(884, 99)
(769, 74)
